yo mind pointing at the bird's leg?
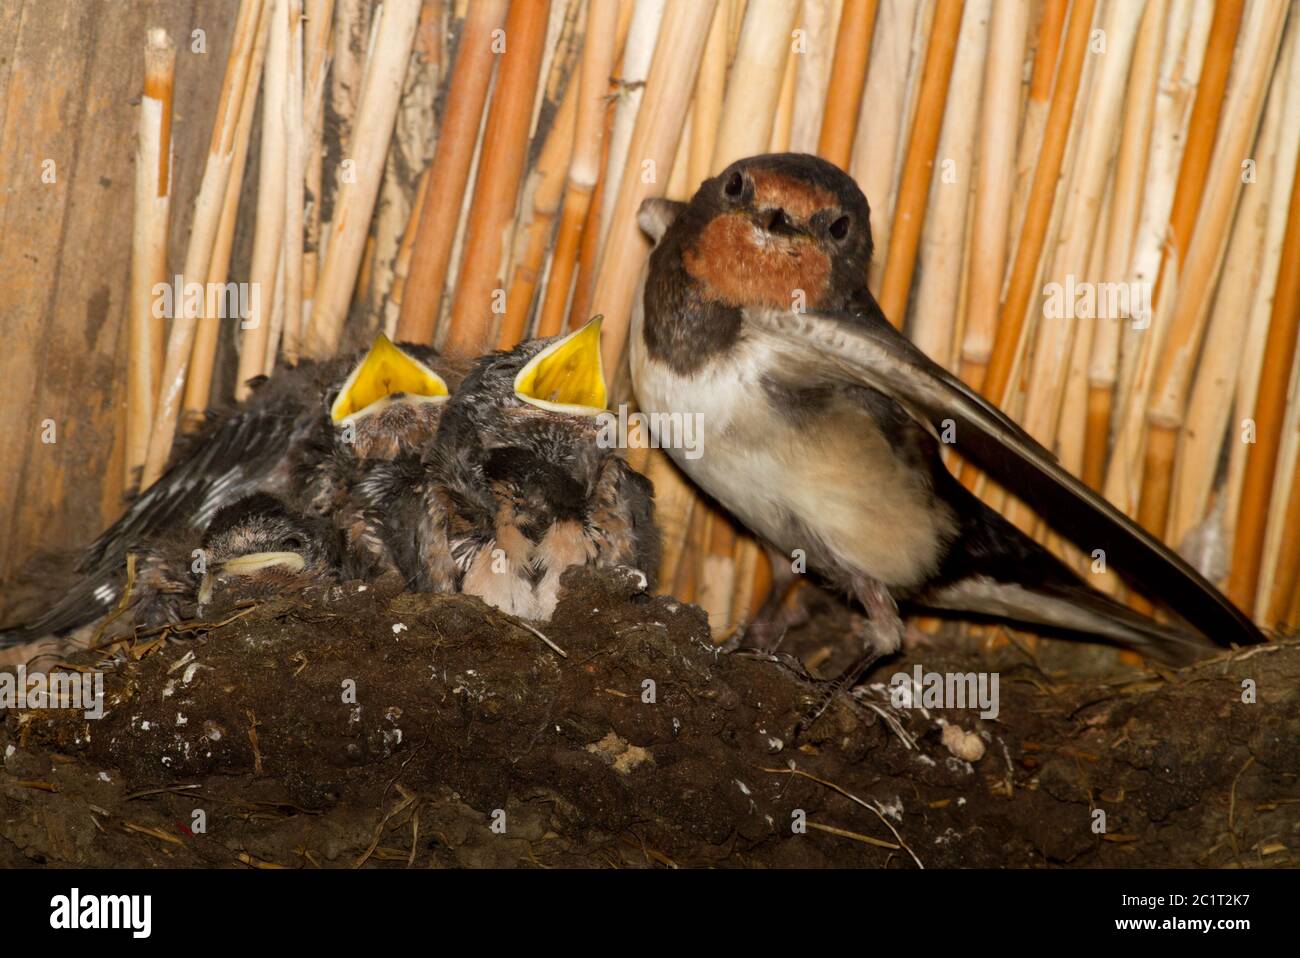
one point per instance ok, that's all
(773, 618)
(882, 635)
(884, 628)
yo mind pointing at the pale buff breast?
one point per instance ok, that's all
(839, 478)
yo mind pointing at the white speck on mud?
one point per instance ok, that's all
(893, 810)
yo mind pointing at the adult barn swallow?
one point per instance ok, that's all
(254, 548)
(519, 486)
(822, 425)
(298, 436)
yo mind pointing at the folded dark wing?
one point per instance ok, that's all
(239, 455)
(244, 452)
(842, 348)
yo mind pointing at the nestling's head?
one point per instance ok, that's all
(559, 375)
(391, 401)
(528, 417)
(257, 548)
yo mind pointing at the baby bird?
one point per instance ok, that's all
(519, 485)
(257, 548)
(254, 548)
(301, 436)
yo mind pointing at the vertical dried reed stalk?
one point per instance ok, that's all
(1130, 168)
(914, 187)
(207, 213)
(203, 354)
(294, 170)
(943, 240)
(848, 79)
(268, 236)
(149, 246)
(501, 170)
(471, 76)
(1204, 253)
(651, 152)
(376, 114)
(1039, 209)
(599, 48)
(882, 118)
(999, 120)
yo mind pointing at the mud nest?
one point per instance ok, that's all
(367, 727)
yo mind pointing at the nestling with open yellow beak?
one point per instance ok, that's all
(519, 486)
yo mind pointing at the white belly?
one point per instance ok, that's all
(841, 481)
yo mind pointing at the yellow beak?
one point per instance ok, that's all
(386, 370)
(247, 564)
(567, 375)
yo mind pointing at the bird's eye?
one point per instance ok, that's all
(840, 228)
(292, 544)
(735, 185)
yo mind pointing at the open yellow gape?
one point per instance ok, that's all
(384, 371)
(567, 376)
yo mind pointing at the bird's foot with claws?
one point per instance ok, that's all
(878, 635)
